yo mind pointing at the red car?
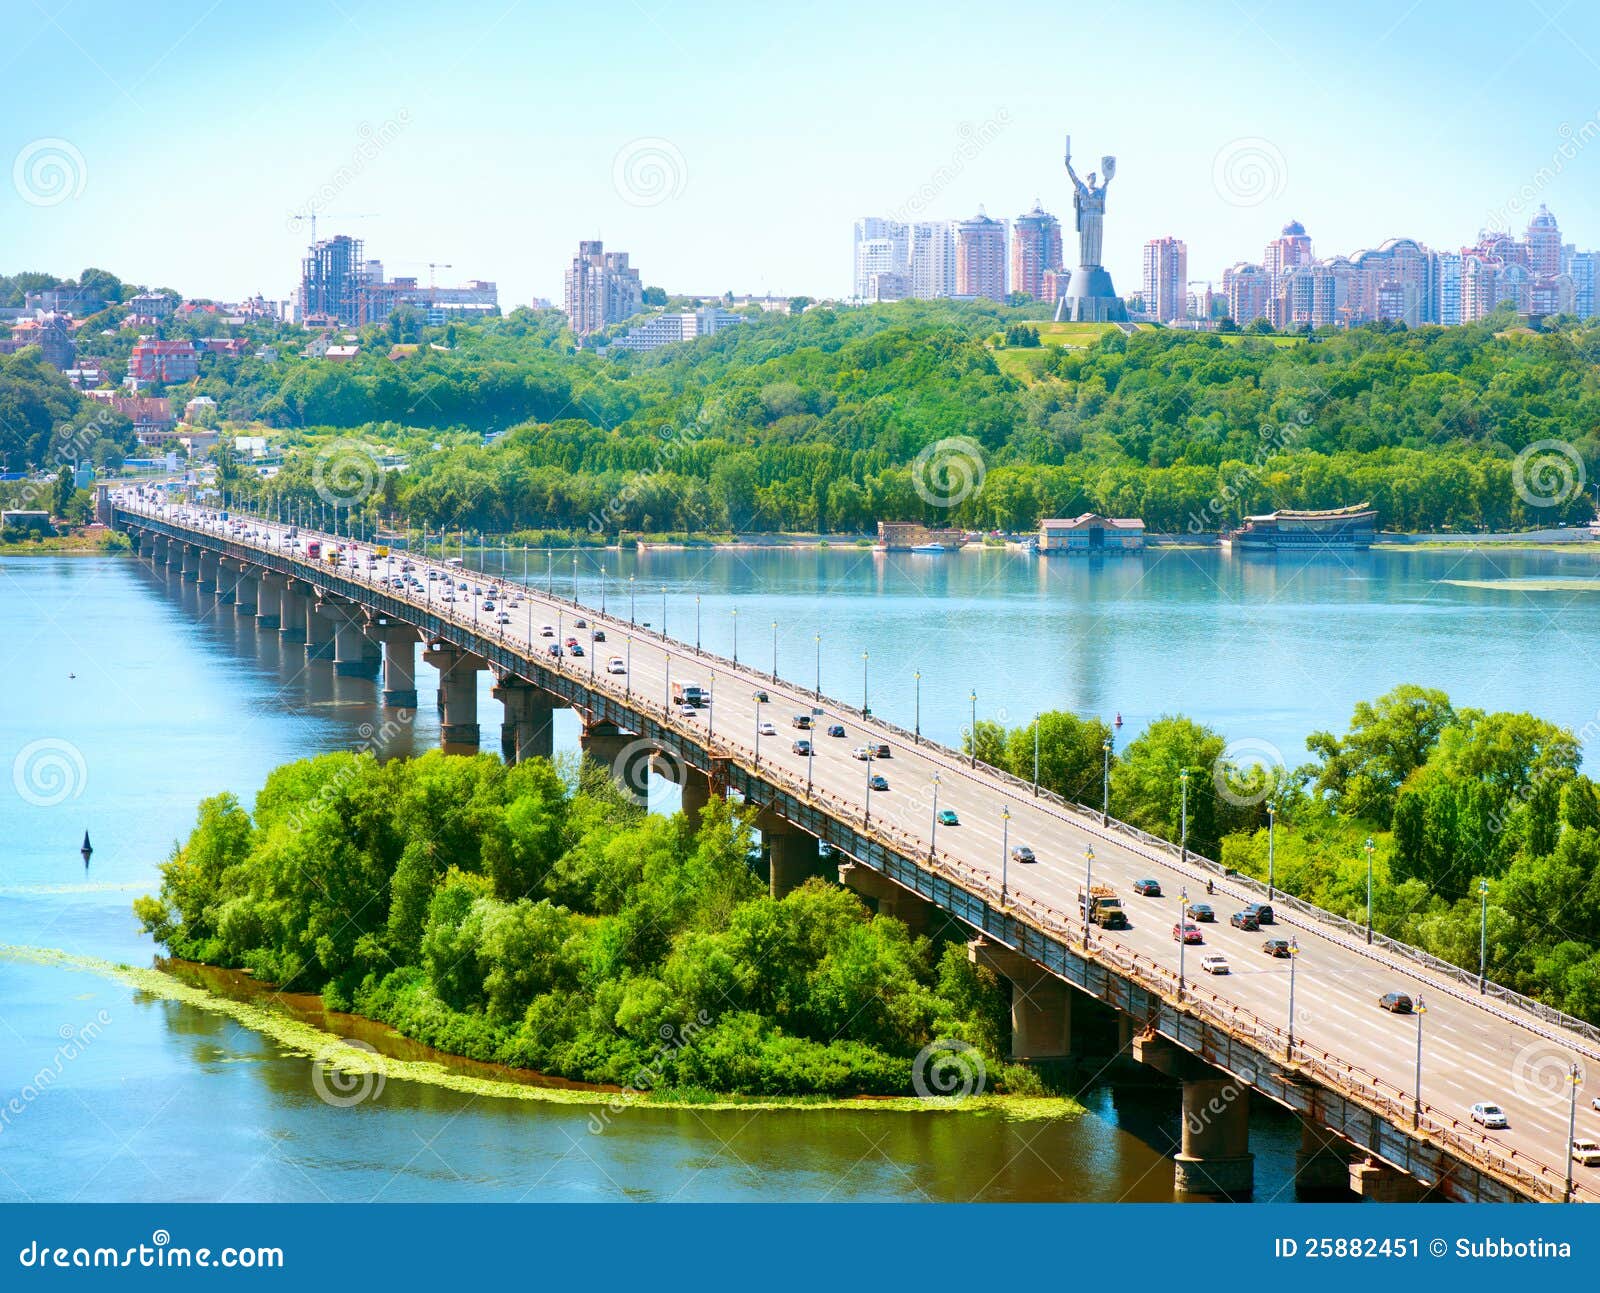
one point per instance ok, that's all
(1188, 933)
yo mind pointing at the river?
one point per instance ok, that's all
(125, 704)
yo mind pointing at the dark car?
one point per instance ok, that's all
(1202, 911)
(835, 729)
(1244, 920)
(884, 752)
(802, 746)
(1396, 1003)
(1263, 913)
(1147, 888)
(760, 697)
(880, 782)
(1276, 947)
(599, 635)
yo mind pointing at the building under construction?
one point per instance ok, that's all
(331, 278)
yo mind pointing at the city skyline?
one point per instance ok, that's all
(341, 140)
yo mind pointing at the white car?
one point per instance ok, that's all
(1489, 1115)
(547, 631)
(861, 752)
(1215, 963)
(616, 665)
(688, 711)
(502, 618)
(1585, 1151)
(767, 729)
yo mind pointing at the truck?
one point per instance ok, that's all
(1104, 907)
(690, 693)
(313, 549)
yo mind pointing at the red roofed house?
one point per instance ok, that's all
(154, 360)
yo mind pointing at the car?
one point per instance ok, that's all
(1189, 933)
(760, 697)
(572, 642)
(878, 782)
(947, 817)
(1488, 1114)
(554, 649)
(687, 711)
(1585, 1151)
(580, 622)
(1263, 913)
(1278, 947)
(547, 630)
(1202, 911)
(882, 750)
(1244, 920)
(1396, 1003)
(1595, 1103)
(1022, 853)
(502, 618)
(1215, 963)
(767, 729)
(462, 586)
(488, 604)
(599, 635)
(835, 729)
(575, 649)
(802, 721)
(861, 752)
(1147, 888)
(616, 665)
(432, 574)
(802, 746)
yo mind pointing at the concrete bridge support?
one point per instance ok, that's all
(246, 592)
(911, 910)
(292, 611)
(269, 600)
(399, 665)
(349, 640)
(457, 697)
(206, 580)
(528, 728)
(1041, 1007)
(696, 795)
(1214, 1159)
(319, 631)
(1322, 1164)
(791, 854)
(191, 564)
(227, 582)
(1375, 1182)
(606, 746)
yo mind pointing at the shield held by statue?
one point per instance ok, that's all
(1108, 168)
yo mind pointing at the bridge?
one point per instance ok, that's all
(1383, 1100)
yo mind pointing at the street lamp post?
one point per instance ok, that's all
(774, 650)
(811, 749)
(666, 685)
(866, 817)
(1105, 781)
(864, 710)
(758, 733)
(1183, 937)
(1421, 1008)
(1483, 934)
(1035, 756)
(1005, 852)
(818, 692)
(627, 677)
(663, 610)
(1369, 846)
(1575, 1077)
(1088, 891)
(1294, 955)
(1272, 813)
(916, 730)
(972, 727)
(1183, 830)
(697, 623)
(933, 833)
(630, 600)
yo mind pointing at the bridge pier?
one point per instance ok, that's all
(1041, 1007)
(911, 910)
(269, 600)
(228, 582)
(457, 697)
(696, 795)
(528, 729)
(1321, 1165)
(349, 640)
(399, 665)
(1375, 1182)
(319, 631)
(791, 854)
(206, 579)
(1214, 1158)
(605, 745)
(246, 592)
(292, 611)
(190, 569)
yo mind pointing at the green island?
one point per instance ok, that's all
(525, 918)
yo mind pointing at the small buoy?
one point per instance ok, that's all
(72, 675)
(87, 848)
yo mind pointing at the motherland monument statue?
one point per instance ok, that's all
(1090, 297)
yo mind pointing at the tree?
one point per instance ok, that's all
(1071, 754)
(1147, 783)
(66, 487)
(1389, 739)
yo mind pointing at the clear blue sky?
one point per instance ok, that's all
(489, 135)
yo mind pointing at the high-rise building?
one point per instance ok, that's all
(1544, 244)
(1448, 278)
(1247, 288)
(933, 259)
(1582, 266)
(601, 289)
(1401, 270)
(1479, 286)
(981, 258)
(330, 278)
(880, 247)
(1290, 249)
(1035, 250)
(1166, 279)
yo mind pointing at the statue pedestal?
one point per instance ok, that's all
(1090, 298)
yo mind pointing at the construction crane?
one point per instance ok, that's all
(311, 219)
(433, 265)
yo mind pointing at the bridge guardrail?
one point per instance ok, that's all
(1364, 1088)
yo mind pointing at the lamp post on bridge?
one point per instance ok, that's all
(627, 676)
(697, 623)
(1088, 890)
(1183, 946)
(811, 749)
(916, 730)
(735, 635)
(1036, 756)
(818, 692)
(1421, 1008)
(1369, 846)
(933, 833)
(1294, 955)
(758, 733)
(1575, 1078)
(1272, 813)
(1005, 852)
(1105, 781)
(631, 619)
(866, 816)
(1183, 829)
(972, 759)
(864, 710)
(1483, 934)
(774, 650)
(663, 610)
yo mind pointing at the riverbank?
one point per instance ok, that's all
(98, 542)
(353, 1047)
